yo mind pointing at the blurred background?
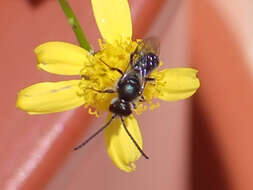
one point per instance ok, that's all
(204, 142)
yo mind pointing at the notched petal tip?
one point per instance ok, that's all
(120, 148)
(175, 84)
(19, 103)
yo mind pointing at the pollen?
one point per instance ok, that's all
(98, 75)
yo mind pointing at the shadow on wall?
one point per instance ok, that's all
(207, 170)
(35, 3)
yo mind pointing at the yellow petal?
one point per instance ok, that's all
(113, 18)
(61, 58)
(120, 148)
(174, 84)
(48, 97)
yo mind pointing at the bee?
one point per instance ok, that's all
(131, 85)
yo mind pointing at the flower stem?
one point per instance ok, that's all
(76, 27)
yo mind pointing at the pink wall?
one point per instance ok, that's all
(222, 132)
(36, 150)
(212, 35)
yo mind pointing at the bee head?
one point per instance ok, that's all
(120, 107)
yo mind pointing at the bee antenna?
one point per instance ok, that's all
(134, 141)
(96, 133)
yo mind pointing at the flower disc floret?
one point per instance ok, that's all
(97, 75)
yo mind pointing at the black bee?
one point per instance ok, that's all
(131, 84)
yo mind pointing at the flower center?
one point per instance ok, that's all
(98, 75)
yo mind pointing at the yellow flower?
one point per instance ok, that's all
(114, 22)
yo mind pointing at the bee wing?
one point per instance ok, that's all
(148, 45)
(151, 44)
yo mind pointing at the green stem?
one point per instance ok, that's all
(76, 27)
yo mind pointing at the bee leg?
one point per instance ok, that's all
(112, 68)
(134, 105)
(108, 91)
(149, 79)
(142, 99)
(104, 91)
